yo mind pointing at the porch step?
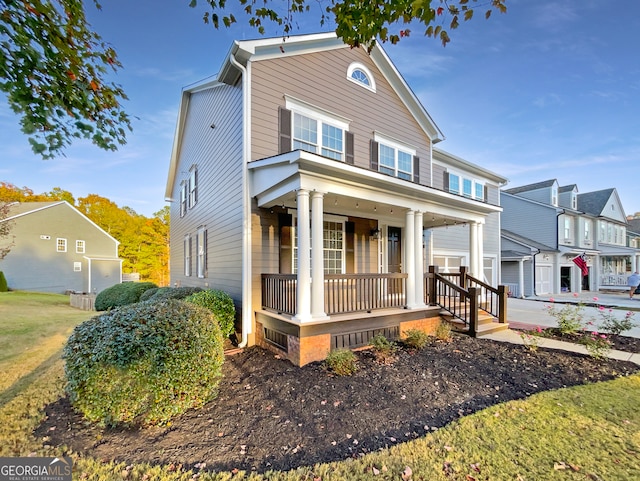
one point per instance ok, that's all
(487, 324)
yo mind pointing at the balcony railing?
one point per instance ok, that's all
(343, 293)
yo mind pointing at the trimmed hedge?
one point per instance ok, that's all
(145, 363)
(121, 294)
(163, 293)
(221, 304)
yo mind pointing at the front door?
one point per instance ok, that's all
(394, 250)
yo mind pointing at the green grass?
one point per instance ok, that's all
(581, 433)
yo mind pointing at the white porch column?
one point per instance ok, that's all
(480, 253)
(317, 256)
(473, 248)
(303, 286)
(410, 259)
(521, 278)
(419, 264)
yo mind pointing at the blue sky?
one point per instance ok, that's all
(549, 90)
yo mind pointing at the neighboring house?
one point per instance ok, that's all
(58, 249)
(546, 226)
(308, 146)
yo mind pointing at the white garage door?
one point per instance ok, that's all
(543, 280)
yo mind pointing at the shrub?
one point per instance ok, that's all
(163, 293)
(143, 364)
(148, 294)
(614, 326)
(3, 283)
(597, 345)
(221, 304)
(383, 349)
(416, 339)
(443, 331)
(342, 362)
(570, 317)
(121, 294)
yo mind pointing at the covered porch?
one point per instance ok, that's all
(368, 229)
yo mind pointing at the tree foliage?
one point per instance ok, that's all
(53, 70)
(144, 241)
(359, 22)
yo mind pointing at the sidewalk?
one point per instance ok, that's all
(532, 312)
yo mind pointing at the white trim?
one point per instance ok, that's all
(316, 113)
(358, 66)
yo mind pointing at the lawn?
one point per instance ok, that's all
(584, 432)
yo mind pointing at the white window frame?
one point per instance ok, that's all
(457, 186)
(187, 255)
(326, 218)
(357, 66)
(397, 147)
(201, 252)
(77, 267)
(193, 187)
(554, 196)
(61, 244)
(80, 247)
(183, 198)
(322, 118)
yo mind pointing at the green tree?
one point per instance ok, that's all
(359, 22)
(53, 69)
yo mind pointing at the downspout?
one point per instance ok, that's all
(246, 206)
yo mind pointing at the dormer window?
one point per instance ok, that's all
(361, 75)
(574, 201)
(554, 196)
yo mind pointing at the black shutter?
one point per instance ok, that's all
(284, 131)
(486, 193)
(416, 169)
(373, 155)
(445, 181)
(349, 156)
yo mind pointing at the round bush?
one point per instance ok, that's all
(148, 294)
(221, 304)
(163, 293)
(121, 294)
(145, 363)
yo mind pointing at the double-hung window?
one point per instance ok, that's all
(201, 252)
(80, 247)
(61, 245)
(394, 158)
(316, 130)
(333, 244)
(187, 255)
(193, 187)
(183, 199)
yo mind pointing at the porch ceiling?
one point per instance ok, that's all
(355, 191)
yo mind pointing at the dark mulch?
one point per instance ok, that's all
(620, 343)
(272, 415)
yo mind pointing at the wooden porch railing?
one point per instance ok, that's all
(343, 293)
(463, 296)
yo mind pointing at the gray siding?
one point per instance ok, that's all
(456, 238)
(320, 79)
(217, 154)
(34, 264)
(530, 219)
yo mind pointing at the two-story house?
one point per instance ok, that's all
(545, 226)
(304, 182)
(57, 249)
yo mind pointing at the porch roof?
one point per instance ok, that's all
(351, 190)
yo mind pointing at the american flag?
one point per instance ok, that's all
(581, 262)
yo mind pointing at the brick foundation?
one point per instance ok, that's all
(428, 325)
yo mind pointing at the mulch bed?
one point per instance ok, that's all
(270, 414)
(619, 342)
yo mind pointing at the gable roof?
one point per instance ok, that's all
(568, 188)
(594, 202)
(527, 188)
(20, 209)
(525, 241)
(241, 52)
